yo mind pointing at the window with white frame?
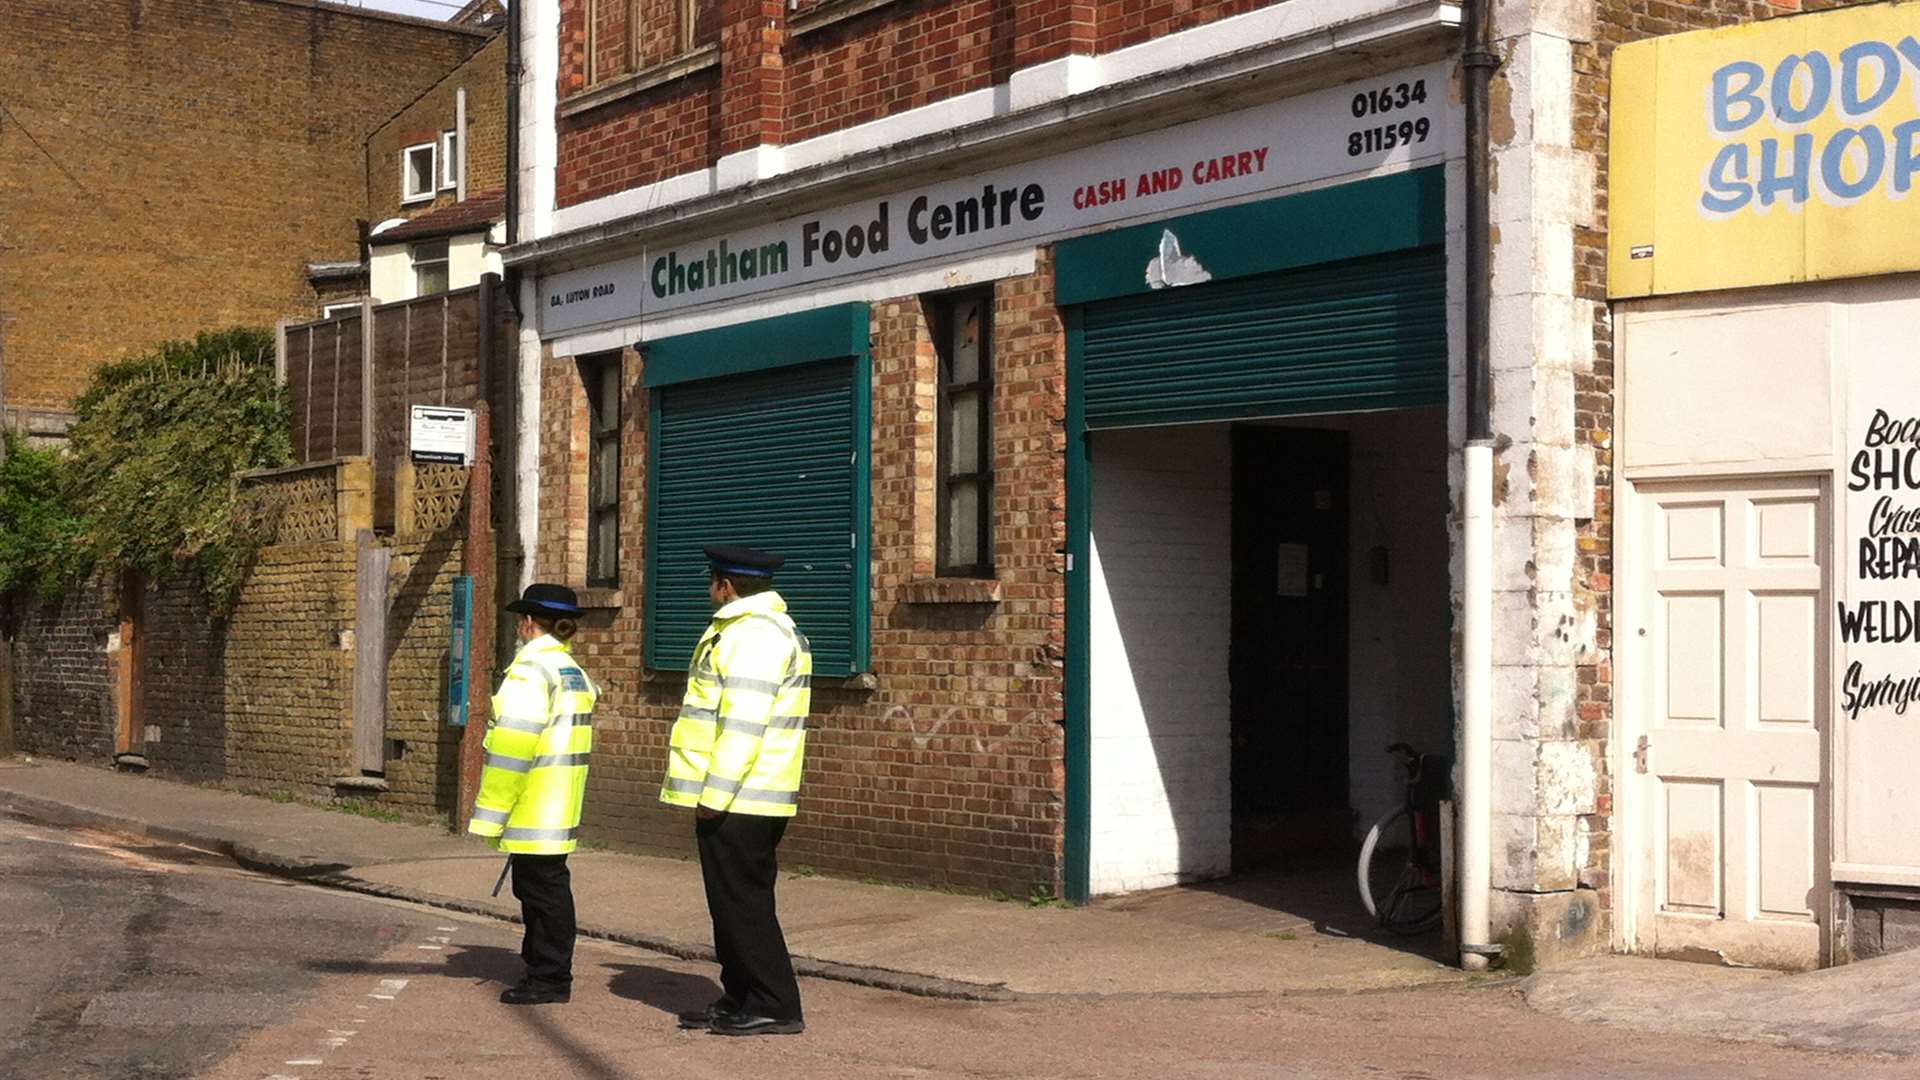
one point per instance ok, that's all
(344, 307)
(429, 267)
(449, 159)
(417, 172)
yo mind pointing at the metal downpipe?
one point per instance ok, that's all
(1476, 650)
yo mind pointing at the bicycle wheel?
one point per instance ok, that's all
(1393, 888)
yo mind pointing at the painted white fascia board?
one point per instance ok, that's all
(1315, 27)
(959, 274)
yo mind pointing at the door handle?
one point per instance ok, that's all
(1640, 756)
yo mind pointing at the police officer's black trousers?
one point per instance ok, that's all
(544, 888)
(738, 865)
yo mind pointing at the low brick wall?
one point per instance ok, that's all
(288, 672)
(63, 685)
(182, 687)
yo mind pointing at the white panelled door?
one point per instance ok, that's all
(1728, 766)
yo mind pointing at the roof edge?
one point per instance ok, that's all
(385, 16)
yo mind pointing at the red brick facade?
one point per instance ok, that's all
(947, 769)
(668, 106)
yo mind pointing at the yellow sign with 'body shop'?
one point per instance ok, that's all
(1776, 152)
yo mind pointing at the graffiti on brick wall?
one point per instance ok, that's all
(928, 724)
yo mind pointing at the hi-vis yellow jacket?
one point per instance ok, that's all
(537, 745)
(738, 743)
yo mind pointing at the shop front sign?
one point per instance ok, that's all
(1775, 152)
(1387, 123)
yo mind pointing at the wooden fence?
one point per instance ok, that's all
(362, 371)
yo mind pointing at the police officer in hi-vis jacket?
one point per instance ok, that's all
(533, 782)
(735, 759)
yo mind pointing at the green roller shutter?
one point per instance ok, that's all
(1368, 333)
(767, 460)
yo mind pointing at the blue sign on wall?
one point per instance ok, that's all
(459, 650)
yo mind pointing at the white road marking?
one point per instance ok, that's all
(430, 948)
(307, 1061)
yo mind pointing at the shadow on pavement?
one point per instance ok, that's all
(480, 963)
(669, 991)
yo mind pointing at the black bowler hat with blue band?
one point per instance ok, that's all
(542, 598)
(745, 562)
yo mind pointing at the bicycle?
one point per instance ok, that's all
(1408, 887)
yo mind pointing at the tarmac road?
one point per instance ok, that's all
(132, 959)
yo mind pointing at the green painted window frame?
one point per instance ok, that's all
(839, 332)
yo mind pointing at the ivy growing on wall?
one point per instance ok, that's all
(41, 536)
(146, 481)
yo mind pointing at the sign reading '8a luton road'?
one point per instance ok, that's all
(1775, 152)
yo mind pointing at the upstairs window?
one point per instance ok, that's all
(449, 160)
(417, 172)
(429, 267)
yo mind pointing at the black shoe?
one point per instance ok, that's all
(531, 994)
(742, 1024)
(701, 1018)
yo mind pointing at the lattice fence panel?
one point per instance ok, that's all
(439, 497)
(293, 507)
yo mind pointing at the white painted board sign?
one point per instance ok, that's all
(1383, 124)
(1878, 606)
(441, 435)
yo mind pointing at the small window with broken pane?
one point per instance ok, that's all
(962, 324)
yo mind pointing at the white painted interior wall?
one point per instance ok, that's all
(1401, 668)
(1161, 629)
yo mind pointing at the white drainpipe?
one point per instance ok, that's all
(459, 145)
(1476, 728)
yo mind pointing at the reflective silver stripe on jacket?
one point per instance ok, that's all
(788, 798)
(584, 720)
(511, 764)
(699, 714)
(548, 761)
(758, 686)
(515, 723)
(539, 834)
(496, 817)
(721, 783)
(685, 787)
(797, 682)
(545, 675)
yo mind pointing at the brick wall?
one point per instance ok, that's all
(288, 677)
(948, 771)
(182, 695)
(787, 74)
(1616, 23)
(191, 156)
(62, 680)
(425, 775)
(484, 77)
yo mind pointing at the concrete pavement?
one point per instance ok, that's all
(1868, 1007)
(1201, 941)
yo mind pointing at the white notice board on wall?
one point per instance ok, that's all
(1876, 729)
(440, 435)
